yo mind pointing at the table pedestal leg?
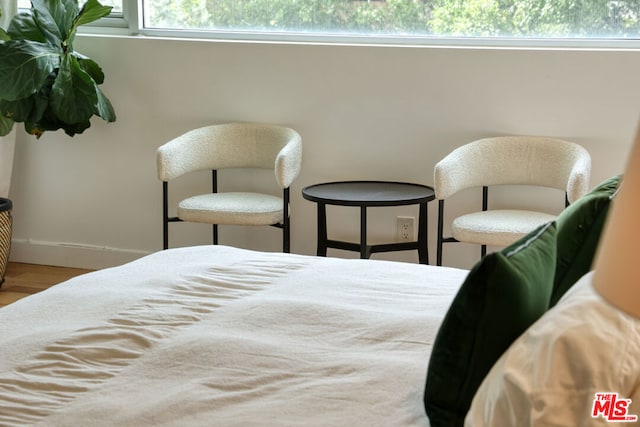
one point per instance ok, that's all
(363, 233)
(423, 251)
(322, 229)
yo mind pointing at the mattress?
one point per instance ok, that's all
(214, 335)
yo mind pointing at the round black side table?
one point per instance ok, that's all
(365, 194)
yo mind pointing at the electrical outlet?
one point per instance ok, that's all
(405, 228)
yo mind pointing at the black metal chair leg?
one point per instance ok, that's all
(286, 223)
(165, 215)
(440, 227)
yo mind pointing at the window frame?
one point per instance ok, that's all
(131, 24)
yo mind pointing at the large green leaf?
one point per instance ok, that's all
(56, 18)
(23, 27)
(104, 108)
(24, 67)
(17, 110)
(40, 105)
(46, 21)
(4, 36)
(64, 12)
(73, 95)
(90, 12)
(6, 124)
(74, 128)
(31, 108)
(91, 67)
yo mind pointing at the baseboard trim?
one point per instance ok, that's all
(63, 254)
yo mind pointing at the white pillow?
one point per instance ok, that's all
(550, 375)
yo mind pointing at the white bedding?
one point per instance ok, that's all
(218, 336)
(550, 375)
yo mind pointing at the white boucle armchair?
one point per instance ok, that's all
(232, 145)
(507, 160)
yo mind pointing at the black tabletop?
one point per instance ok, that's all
(368, 193)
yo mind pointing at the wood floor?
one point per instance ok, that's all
(22, 280)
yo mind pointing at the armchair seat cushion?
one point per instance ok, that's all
(497, 227)
(240, 208)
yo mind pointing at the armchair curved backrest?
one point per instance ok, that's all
(233, 145)
(507, 160)
(225, 146)
(515, 160)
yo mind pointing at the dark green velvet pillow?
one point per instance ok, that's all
(579, 229)
(501, 297)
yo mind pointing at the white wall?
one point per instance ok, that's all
(364, 112)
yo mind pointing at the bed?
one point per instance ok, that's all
(215, 335)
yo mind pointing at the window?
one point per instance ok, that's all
(446, 18)
(115, 19)
(394, 20)
(116, 11)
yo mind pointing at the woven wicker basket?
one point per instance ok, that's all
(6, 222)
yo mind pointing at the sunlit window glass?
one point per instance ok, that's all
(117, 5)
(466, 18)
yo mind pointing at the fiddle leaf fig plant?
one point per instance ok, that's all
(44, 82)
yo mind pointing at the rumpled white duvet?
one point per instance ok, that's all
(217, 336)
